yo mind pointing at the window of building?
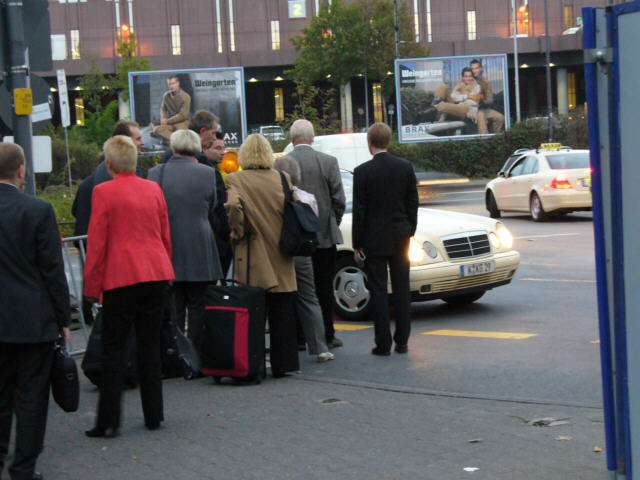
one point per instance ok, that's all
(75, 44)
(79, 104)
(416, 20)
(219, 26)
(176, 42)
(428, 15)
(232, 34)
(279, 103)
(58, 47)
(471, 25)
(131, 15)
(522, 16)
(275, 34)
(317, 7)
(377, 102)
(568, 16)
(571, 90)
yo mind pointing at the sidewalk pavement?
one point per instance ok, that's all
(315, 425)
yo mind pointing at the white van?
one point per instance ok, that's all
(351, 149)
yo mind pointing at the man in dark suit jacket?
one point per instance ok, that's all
(35, 309)
(385, 215)
(320, 175)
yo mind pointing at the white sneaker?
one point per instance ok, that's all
(325, 357)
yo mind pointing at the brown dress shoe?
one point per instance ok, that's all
(378, 351)
(402, 348)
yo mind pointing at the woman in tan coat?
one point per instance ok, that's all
(255, 203)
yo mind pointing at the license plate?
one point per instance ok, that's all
(477, 268)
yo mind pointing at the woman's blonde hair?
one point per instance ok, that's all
(121, 153)
(255, 152)
(185, 142)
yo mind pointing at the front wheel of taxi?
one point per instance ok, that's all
(535, 206)
(492, 205)
(350, 292)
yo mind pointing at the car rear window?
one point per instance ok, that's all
(561, 161)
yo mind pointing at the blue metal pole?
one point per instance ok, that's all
(589, 20)
(617, 253)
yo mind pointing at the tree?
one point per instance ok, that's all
(329, 47)
(127, 48)
(317, 106)
(345, 40)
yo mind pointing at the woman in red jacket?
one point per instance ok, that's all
(128, 264)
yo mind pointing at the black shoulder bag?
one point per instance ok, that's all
(299, 225)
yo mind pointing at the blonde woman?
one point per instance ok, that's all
(255, 205)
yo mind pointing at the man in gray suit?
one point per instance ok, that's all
(34, 301)
(320, 175)
(190, 192)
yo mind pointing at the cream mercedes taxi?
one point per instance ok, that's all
(549, 180)
(455, 257)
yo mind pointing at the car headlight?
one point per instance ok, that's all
(416, 253)
(495, 240)
(504, 235)
(430, 249)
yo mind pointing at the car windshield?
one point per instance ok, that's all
(347, 184)
(561, 161)
(271, 130)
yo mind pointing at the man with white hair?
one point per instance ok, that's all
(320, 175)
(190, 192)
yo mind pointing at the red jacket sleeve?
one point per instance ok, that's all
(97, 240)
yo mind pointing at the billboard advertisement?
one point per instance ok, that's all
(163, 101)
(450, 98)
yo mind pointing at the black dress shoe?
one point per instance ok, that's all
(37, 476)
(380, 352)
(97, 432)
(152, 426)
(402, 348)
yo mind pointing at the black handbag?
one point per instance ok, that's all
(64, 378)
(299, 226)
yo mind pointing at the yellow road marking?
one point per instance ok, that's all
(557, 280)
(350, 327)
(470, 333)
(594, 341)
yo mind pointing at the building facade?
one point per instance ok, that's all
(256, 34)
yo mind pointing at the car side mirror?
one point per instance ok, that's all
(502, 174)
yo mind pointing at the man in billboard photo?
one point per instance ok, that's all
(174, 112)
(486, 111)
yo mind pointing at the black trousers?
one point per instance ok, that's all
(140, 305)
(25, 368)
(324, 264)
(283, 347)
(189, 296)
(376, 267)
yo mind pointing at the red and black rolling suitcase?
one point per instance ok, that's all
(232, 338)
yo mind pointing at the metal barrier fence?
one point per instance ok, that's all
(73, 253)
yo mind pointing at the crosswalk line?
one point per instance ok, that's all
(471, 333)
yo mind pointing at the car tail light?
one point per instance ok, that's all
(561, 182)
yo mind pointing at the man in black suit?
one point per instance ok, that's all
(35, 309)
(385, 215)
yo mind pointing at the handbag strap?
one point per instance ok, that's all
(285, 187)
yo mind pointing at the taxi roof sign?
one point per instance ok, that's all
(550, 146)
